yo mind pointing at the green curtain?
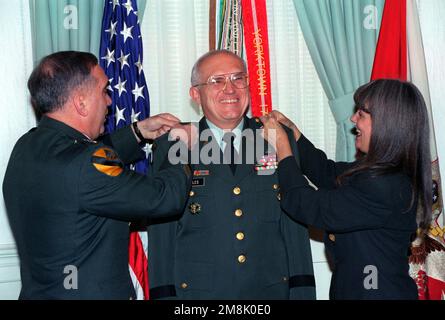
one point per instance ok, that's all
(341, 36)
(68, 25)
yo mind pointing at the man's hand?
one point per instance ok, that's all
(187, 133)
(155, 126)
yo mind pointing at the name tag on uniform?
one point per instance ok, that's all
(198, 182)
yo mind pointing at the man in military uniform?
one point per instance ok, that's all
(69, 198)
(232, 241)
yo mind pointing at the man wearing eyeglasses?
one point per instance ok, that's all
(232, 241)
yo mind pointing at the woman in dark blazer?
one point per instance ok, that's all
(370, 208)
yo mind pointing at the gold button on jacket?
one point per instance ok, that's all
(240, 236)
(238, 212)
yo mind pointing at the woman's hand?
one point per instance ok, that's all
(281, 118)
(276, 136)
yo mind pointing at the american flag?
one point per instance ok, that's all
(121, 58)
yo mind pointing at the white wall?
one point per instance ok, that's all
(17, 118)
(432, 14)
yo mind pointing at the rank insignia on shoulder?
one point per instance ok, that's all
(105, 160)
(195, 208)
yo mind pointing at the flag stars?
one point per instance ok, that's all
(126, 32)
(129, 6)
(120, 86)
(137, 15)
(109, 57)
(112, 30)
(119, 115)
(134, 116)
(138, 64)
(147, 150)
(110, 81)
(115, 3)
(137, 92)
(123, 60)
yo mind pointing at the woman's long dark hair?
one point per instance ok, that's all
(399, 138)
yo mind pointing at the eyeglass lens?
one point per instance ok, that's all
(238, 80)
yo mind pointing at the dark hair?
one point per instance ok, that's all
(57, 74)
(399, 138)
(196, 70)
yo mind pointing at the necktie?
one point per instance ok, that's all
(230, 155)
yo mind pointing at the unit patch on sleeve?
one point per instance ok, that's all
(105, 160)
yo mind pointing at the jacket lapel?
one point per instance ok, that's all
(248, 145)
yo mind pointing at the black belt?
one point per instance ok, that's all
(162, 292)
(294, 281)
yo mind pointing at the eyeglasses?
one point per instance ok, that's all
(239, 80)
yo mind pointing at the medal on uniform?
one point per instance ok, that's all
(201, 173)
(266, 163)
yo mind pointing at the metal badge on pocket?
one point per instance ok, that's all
(194, 208)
